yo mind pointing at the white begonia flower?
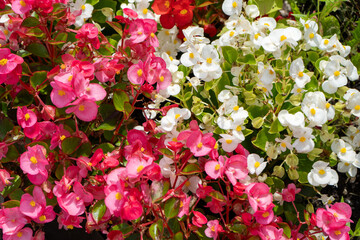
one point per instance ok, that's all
(209, 68)
(343, 150)
(309, 24)
(279, 37)
(239, 115)
(173, 89)
(265, 23)
(228, 38)
(304, 142)
(225, 95)
(326, 200)
(297, 90)
(335, 74)
(237, 131)
(86, 11)
(231, 105)
(297, 73)
(317, 116)
(171, 63)
(169, 48)
(171, 137)
(356, 163)
(266, 88)
(322, 175)
(284, 143)
(173, 116)
(255, 164)
(350, 93)
(310, 35)
(257, 39)
(232, 7)
(330, 111)
(351, 71)
(266, 74)
(244, 26)
(228, 142)
(179, 180)
(143, 11)
(190, 58)
(224, 123)
(345, 167)
(151, 114)
(192, 36)
(353, 103)
(192, 184)
(252, 11)
(293, 121)
(166, 166)
(168, 35)
(194, 82)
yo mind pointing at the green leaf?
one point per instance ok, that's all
(171, 208)
(30, 22)
(262, 137)
(257, 122)
(11, 155)
(331, 5)
(120, 97)
(179, 236)
(264, 5)
(70, 144)
(84, 150)
(11, 204)
(191, 169)
(123, 227)
(257, 111)
(38, 78)
(16, 195)
(331, 26)
(98, 210)
(38, 50)
(357, 229)
(23, 98)
(5, 126)
(286, 228)
(230, 54)
(156, 229)
(106, 147)
(248, 59)
(217, 195)
(276, 127)
(116, 26)
(15, 185)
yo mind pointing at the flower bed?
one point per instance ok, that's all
(174, 120)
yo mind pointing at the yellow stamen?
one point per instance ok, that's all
(209, 60)
(357, 107)
(161, 78)
(337, 232)
(177, 116)
(311, 35)
(145, 11)
(347, 164)
(301, 74)
(217, 167)
(81, 108)
(83, 7)
(302, 139)
(32, 203)
(70, 78)
(70, 227)
(327, 105)
(266, 24)
(265, 214)
(326, 42)
(181, 204)
(283, 144)
(62, 137)
(271, 72)
(200, 145)
(307, 25)
(257, 36)
(152, 35)
(322, 172)
(171, 58)
(118, 196)
(256, 164)
(228, 141)
(312, 111)
(187, 183)
(3, 62)
(22, 3)
(27, 116)
(42, 218)
(139, 72)
(33, 160)
(238, 128)
(298, 90)
(19, 234)
(236, 108)
(234, 4)
(167, 4)
(232, 33)
(336, 73)
(61, 93)
(343, 150)
(183, 12)
(191, 55)
(216, 146)
(167, 33)
(174, 139)
(141, 167)
(283, 38)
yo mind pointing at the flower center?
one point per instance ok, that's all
(191, 55)
(301, 74)
(357, 107)
(187, 183)
(326, 42)
(266, 24)
(283, 144)
(337, 232)
(118, 196)
(236, 108)
(228, 141)
(145, 11)
(302, 139)
(177, 116)
(234, 4)
(232, 33)
(181, 203)
(19, 234)
(61, 93)
(238, 128)
(307, 25)
(139, 33)
(256, 164)
(322, 172)
(70, 78)
(42, 218)
(312, 111)
(257, 36)
(22, 3)
(336, 73)
(283, 38)
(311, 35)
(70, 226)
(200, 145)
(167, 4)
(139, 72)
(328, 105)
(343, 150)
(32, 203)
(161, 78)
(183, 12)
(265, 214)
(217, 167)
(83, 7)
(3, 62)
(33, 160)
(152, 34)
(141, 167)
(62, 137)
(209, 60)
(81, 107)
(27, 116)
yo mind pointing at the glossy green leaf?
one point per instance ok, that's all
(23, 98)
(15, 184)
(30, 22)
(5, 126)
(38, 78)
(230, 54)
(262, 137)
(171, 208)
(11, 204)
(179, 236)
(98, 210)
(70, 144)
(120, 98)
(38, 49)
(191, 168)
(156, 230)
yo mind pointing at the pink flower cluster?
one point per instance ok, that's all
(72, 87)
(10, 67)
(333, 221)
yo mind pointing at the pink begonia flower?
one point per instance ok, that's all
(199, 219)
(61, 95)
(137, 167)
(137, 73)
(289, 193)
(58, 137)
(86, 110)
(4, 179)
(259, 196)
(33, 160)
(236, 168)
(23, 234)
(341, 211)
(39, 235)
(139, 31)
(11, 220)
(184, 206)
(21, 6)
(266, 216)
(270, 232)
(216, 206)
(213, 229)
(69, 222)
(215, 169)
(25, 117)
(339, 233)
(47, 215)
(114, 199)
(200, 144)
(164, 79)
(39, 178)
(106, 69)
(3, 149)
(88, 33)
(33, 206)
(132, 209)
(8, 61)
